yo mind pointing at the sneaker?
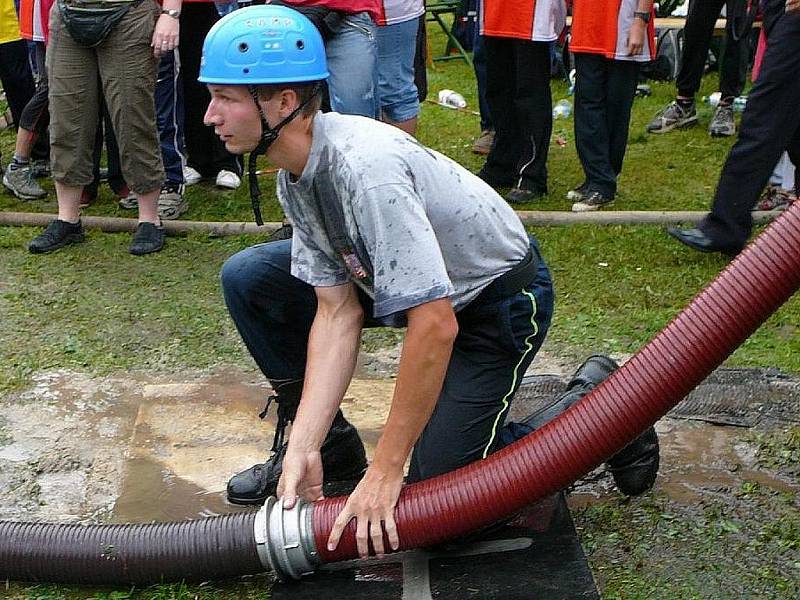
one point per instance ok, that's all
(672, 116)
(171, 203)
(591, 201)
(775, 198)
(191, 175)
(127, 199)
(40, 168)
(344, 460)
(228, 179)
(722, 124)
(483, 143)
(147, 238)
(521, 196)
(20, 182)
(56, 235)
(578, 194)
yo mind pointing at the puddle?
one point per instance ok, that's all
(150, 492)
(698, 461)
(701, 459)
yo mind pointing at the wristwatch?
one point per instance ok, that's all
(644, 16)
(175, 14)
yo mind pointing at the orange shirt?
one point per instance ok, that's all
(602, 27)
(537, 20)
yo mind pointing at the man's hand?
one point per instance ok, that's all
(302, 475)
(372, 504)
(165, 35)
(636, 37)
(792, 6)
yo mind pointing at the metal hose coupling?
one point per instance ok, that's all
(285, 538)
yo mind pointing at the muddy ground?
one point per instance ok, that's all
(721, 522)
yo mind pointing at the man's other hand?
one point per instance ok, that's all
(793, 6)
(302, 476)
(372, 505)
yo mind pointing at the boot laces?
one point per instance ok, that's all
(284, 418)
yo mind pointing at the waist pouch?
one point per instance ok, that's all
(324, 19)
(90, 25)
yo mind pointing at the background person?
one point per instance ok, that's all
(697, 33)
(121, 69)
(610, 39)
(770, 126)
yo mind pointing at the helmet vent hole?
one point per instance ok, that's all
(244, 47)
(300, 44)
(246, 70)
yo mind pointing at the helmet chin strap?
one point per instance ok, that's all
(268, 136)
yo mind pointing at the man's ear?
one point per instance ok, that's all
(289, 101)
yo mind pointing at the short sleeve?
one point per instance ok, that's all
(312, 264)
(408, 266)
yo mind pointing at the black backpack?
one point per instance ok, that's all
(667, 63)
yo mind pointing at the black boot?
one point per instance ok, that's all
(344, 460)
(635, 467)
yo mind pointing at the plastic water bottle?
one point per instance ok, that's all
(562, 109)
(713, 99)
(225, 7)
(452, 99)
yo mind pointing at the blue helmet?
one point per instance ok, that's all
(261, 45)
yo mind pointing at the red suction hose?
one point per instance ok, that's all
(699, 339)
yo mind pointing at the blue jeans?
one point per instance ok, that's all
(399, 99)
(496, 343)
(170, 115)
(352, 54)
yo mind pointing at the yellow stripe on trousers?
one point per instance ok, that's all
(516, 372)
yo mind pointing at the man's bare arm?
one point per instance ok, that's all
(332, 352)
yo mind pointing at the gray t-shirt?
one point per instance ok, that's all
(403, 222)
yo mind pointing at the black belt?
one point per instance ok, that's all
(509, 283)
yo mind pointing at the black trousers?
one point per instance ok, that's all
(604, 92)
(205, 150)
(518, 94)
(770, 125)
(17, 80)
(697, 33)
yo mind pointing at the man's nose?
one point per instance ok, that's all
(211, 117)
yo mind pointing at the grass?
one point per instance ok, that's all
(95, 308)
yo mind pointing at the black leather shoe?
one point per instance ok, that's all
(634, 468)
(696, 239)
(344, 463)
(589, 375)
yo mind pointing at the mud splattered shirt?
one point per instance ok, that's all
(403, 222)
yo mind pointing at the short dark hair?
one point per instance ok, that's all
(306, 92)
